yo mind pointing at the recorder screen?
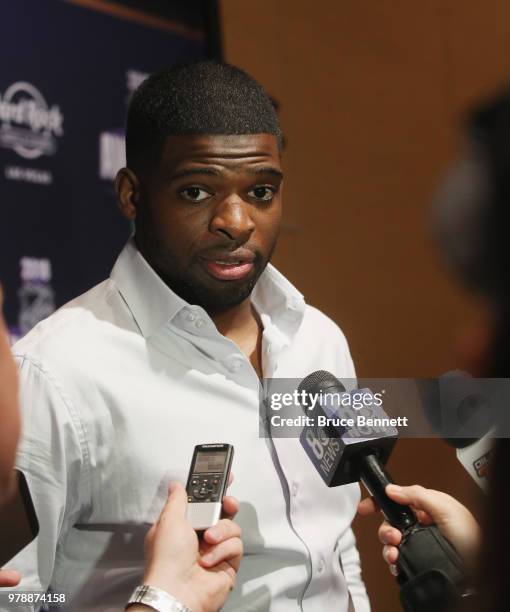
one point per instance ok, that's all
(207, 463)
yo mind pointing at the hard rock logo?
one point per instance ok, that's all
(27, 125)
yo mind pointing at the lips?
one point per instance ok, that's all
(234, 265)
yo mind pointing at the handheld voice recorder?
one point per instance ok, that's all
(207, 483)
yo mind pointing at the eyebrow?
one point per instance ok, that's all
(213, 172)
(192, 171)
(268, 170)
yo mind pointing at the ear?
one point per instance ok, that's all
(127, 188)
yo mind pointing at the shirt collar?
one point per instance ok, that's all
(153, 304)
(279, 302)
(150, 301)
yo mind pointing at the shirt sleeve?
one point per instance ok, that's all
(350, 563)
(52, 455)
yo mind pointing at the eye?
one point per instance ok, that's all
(194, 194)
(263, 193)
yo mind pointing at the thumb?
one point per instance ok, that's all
(176, 504)
(436, 504)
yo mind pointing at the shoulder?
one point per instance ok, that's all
(323, 328)
(74, 327)
(323, 345)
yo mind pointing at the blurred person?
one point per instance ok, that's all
(10, 424)
(120, 384)
(9, 412)
(472, 228)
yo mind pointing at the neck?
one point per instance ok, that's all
(242, 325)
(235, 319)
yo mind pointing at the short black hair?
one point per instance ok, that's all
(206, 97)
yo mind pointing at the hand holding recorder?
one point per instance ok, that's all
(199, 574)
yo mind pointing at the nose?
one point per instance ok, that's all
(232, 219)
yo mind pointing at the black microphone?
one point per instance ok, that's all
(346, 445)
(342, 452)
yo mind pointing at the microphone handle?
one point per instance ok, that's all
(375, 478)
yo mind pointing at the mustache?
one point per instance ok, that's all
(230, 250)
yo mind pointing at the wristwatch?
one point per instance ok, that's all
(155, 598)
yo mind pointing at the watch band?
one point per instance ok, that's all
(157, 599)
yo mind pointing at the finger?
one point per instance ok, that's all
(230, 507)
(223, 530)
(229, 551)
(423, 517)
(9, 578)
(367, 507)
(390, 554)
(420, 498)
(227, 571)
(389, 535)
(176, 504)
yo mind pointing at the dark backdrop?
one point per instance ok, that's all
(68, 69)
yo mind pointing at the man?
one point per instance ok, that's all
(120, 384)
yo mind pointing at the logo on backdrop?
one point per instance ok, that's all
(28, 125)
(112, 143)
(134, 78)
(36, 296)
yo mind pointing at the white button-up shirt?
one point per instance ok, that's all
(117, 388)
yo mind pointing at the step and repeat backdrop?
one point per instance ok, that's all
(67, 71)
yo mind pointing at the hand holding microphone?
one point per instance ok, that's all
(431, 573)
(453, 520)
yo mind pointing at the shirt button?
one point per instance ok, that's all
(321, 565)
(191, 316)
(234, 363)
(294, 489)
(268, 349)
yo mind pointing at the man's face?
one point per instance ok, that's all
(208, 216)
